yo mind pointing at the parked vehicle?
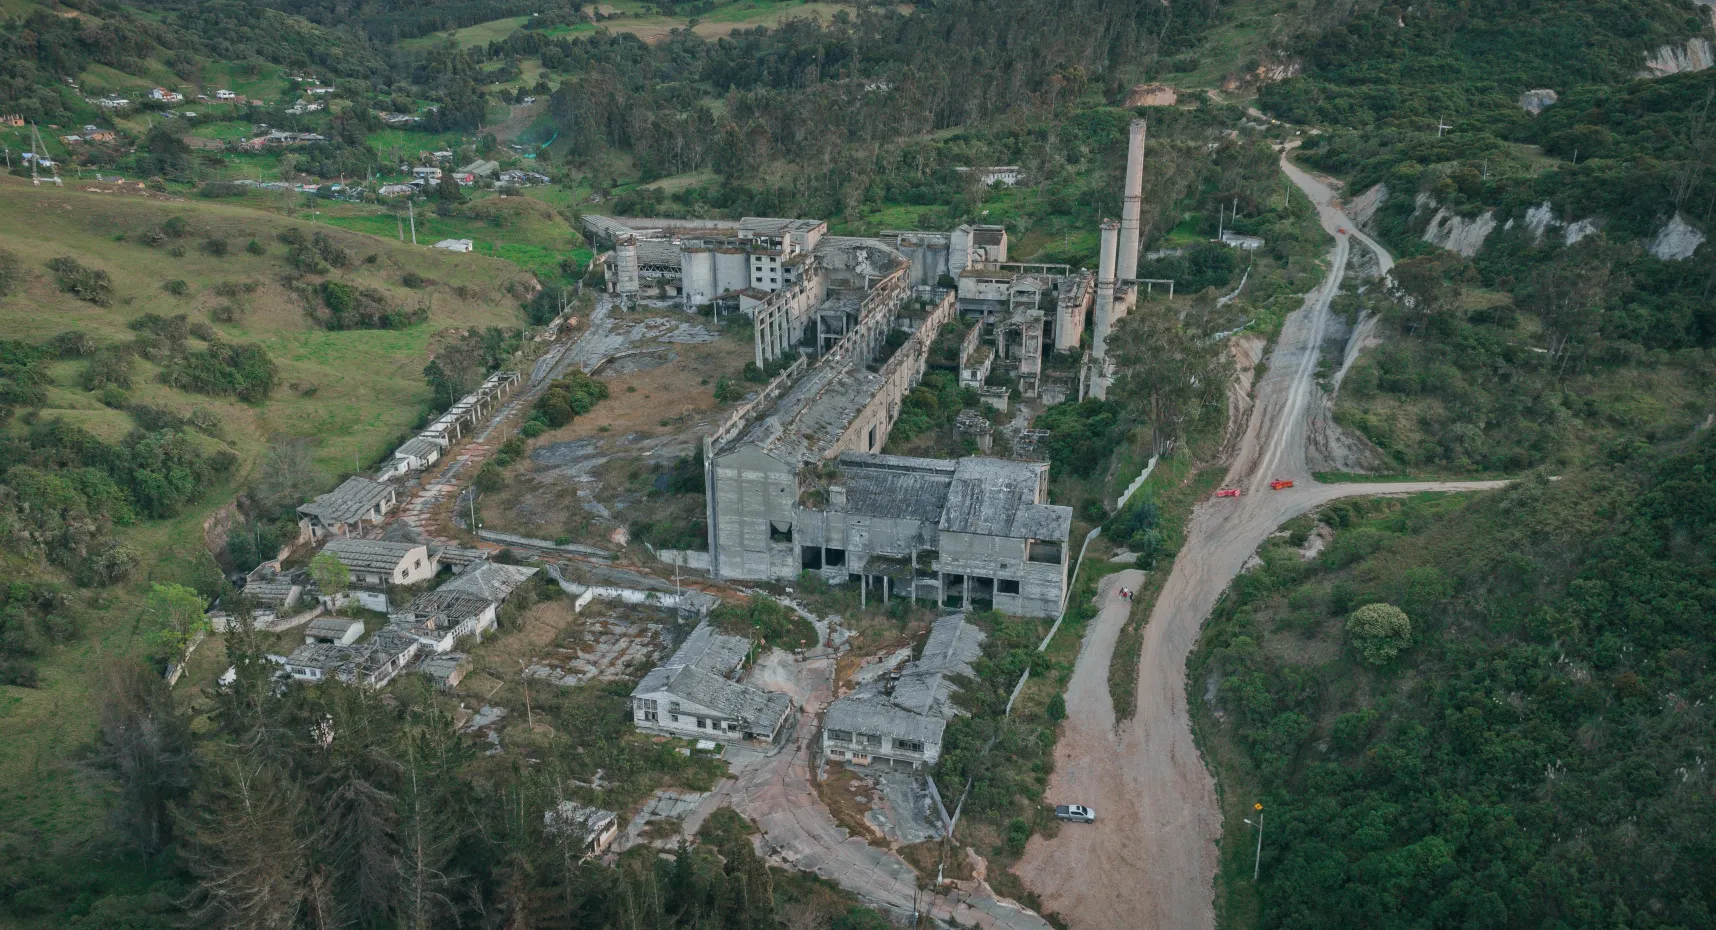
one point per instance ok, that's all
(1227, 492)
(1076, 813)
(1279, 484)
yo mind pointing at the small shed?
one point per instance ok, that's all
(337, 631)
(591, 829)
(446, 669)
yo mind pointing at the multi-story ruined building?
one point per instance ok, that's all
(702, 262)
(795, 482)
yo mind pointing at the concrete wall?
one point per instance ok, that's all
(928, 253)
(862, 536)
(749, 489)
(732, 270)
(781, 320)
(697, 271)
(1001, 558)
(752, 492)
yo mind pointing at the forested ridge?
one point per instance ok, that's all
(1494, 711)
(1538, 754)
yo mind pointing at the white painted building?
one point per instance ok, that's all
(695, 694)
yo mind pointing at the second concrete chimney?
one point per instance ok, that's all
(1132, 207)
(1103, 311)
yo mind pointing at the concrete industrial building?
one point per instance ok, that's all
(795, 485)
(702, 262)
(795, 482)
(807, 289)
(795, 478)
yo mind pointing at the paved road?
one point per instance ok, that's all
(1150, 859)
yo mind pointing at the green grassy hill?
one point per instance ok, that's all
(353, 394)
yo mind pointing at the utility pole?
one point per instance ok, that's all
(412, 206)
(1257, 859)
(529, 715)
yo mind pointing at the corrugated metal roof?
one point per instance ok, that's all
(697, 672)
(332, 627)
(921, 701)
(490, 580)
(894, 494)
(353, 499)
(372, 555)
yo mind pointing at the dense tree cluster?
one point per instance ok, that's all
(1535, 757)
(459, 367)
(348, 306)
(337, 806)
(568, 397)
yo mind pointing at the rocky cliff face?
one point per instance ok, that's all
(1452, 231)
(1691, 55)
(1363, 207)
(1676, 240)
(1536, 101)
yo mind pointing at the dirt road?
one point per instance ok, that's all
(797, 831)
(1150, 859)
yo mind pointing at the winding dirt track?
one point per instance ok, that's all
(1150, 859)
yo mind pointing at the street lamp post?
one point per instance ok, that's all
(1257, 859)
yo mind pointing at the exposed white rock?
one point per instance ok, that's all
(1676, 240)
(1539, 220)
(1536, 101)
(1361, 208)
(1692, 55)
(1459, 234)
(1579, 229)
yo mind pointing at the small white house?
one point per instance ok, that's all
(693, 694)
(372, 664)
(319, 90)
(347, 508)
(225, 95)
(469, 605)
(1234, 240)
(376, 563)
(454, 245)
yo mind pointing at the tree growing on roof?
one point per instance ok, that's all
(178, 616)
(330, 573)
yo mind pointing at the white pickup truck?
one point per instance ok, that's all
(1076, 813)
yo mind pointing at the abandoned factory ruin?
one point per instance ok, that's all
(797, 479)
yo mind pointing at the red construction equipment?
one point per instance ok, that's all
(1227, 492)
(1279, 484)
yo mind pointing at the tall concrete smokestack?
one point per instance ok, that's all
(1132, 208)
(626, 255)
(1104, 308)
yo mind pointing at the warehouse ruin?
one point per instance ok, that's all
(796, 480)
